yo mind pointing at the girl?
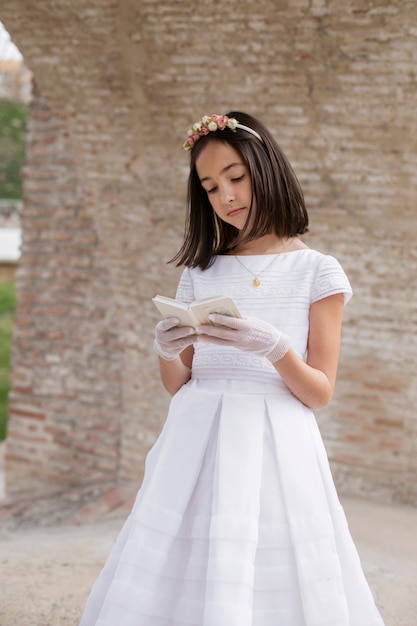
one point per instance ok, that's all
(237, 522)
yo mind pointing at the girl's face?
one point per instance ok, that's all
(227, 182)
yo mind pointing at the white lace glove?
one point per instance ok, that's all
(250, 334)
(171, 339)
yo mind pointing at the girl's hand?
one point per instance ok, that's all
(249, 334)
(171, 339)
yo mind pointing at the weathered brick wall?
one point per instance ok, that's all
(336, 82)
(65, 404)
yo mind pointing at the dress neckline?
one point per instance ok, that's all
(269, 254)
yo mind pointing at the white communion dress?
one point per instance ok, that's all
(237, 522)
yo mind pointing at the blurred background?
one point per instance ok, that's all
(95, 103)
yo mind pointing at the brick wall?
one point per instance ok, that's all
(65, 403)
(336, 82)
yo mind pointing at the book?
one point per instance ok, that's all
(198, 311)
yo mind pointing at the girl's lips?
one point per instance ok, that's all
(235, 212)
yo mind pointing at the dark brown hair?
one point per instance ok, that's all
(277, 195)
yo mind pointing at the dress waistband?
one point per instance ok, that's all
(241, 381)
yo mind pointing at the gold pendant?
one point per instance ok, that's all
(256, 282)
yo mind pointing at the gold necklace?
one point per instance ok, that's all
(255, 281)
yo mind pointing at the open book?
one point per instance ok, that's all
(197, 312)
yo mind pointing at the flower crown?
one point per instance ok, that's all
(210, 124)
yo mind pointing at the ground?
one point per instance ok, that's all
(52, 551)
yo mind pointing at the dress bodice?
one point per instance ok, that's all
(289, 284)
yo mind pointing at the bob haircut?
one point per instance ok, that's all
(277, 195)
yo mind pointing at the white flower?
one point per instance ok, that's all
(206, 125)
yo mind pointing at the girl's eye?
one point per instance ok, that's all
(212, 190)
(236, 180)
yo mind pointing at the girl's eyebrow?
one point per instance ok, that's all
(223, 171)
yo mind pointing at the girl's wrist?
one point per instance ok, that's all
(280, 350)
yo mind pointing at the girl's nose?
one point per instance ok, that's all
(228, 196)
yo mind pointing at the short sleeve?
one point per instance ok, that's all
(185, 290)
(330, 279)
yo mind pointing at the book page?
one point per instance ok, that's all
(223, 305)
(169, 307)
(196, 313)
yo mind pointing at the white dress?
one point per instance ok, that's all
(237, 522)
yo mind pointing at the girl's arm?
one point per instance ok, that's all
(175, 373)
(313, 381)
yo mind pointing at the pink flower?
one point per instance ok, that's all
(221, 120)
(207, 125)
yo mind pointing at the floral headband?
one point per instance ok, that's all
(210, 124)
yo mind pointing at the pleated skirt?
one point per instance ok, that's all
(237, 522)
